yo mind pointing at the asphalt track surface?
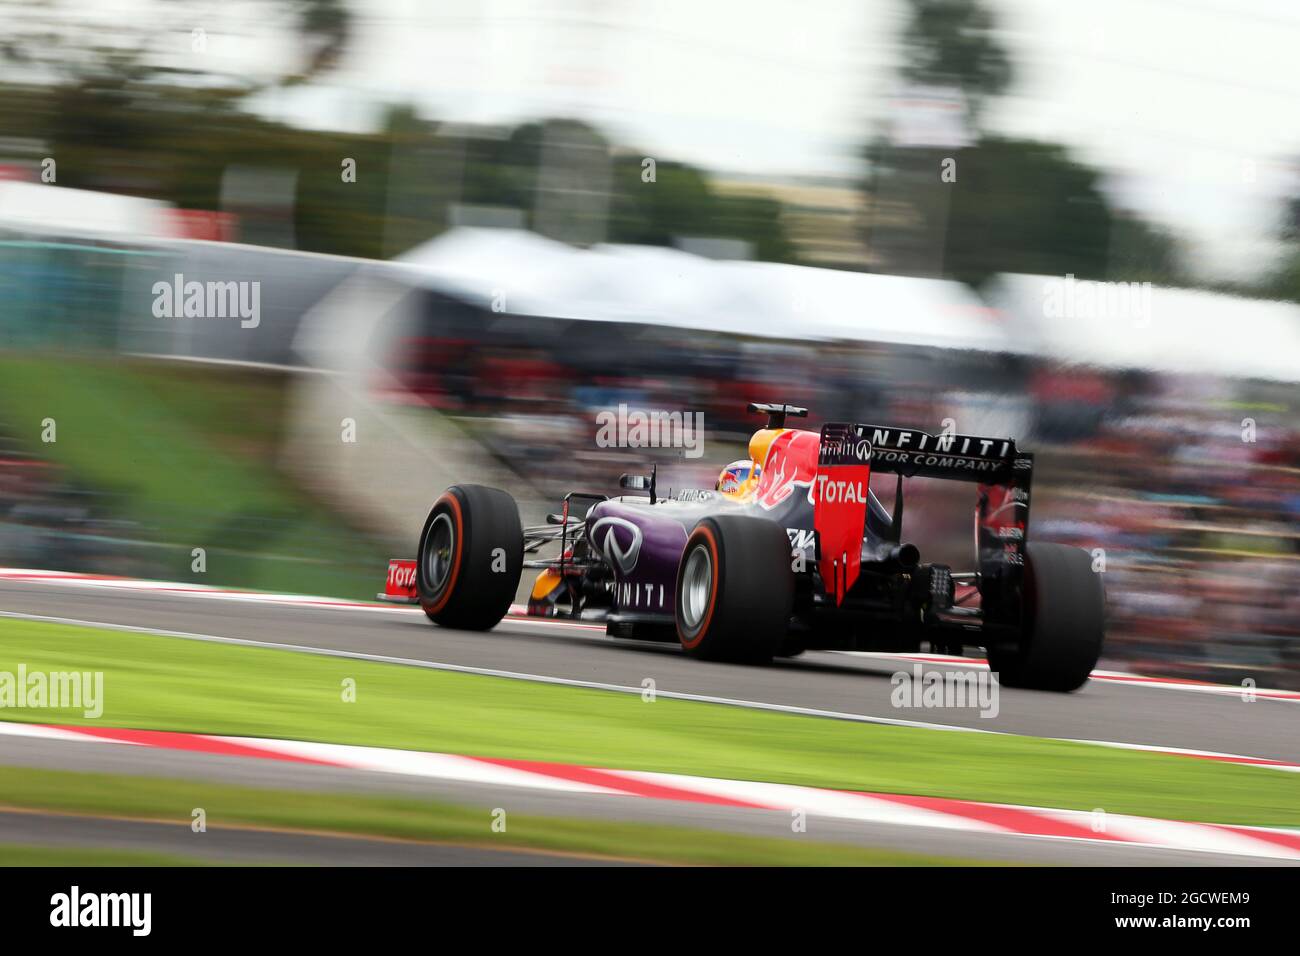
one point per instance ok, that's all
(823, 681)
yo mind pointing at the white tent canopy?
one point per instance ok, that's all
(480, 264)
(45, 209)
(1168, 330)
(869, 307)
(662, 286)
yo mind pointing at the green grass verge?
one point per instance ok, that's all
(188, 453)
(412, 819)
(173, 684)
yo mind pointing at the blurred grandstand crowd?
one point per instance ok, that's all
(1187, 492)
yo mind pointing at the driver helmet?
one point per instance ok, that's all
(734, 478)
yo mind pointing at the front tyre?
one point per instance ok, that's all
(735, 589)
(470, 557)
(1063, 622)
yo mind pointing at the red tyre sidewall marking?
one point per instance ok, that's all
(706, 532)
(458, 557)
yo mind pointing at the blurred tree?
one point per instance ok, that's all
(757, 221)
(558, 170)
(502, 170)
(953, 43)
(77, 45)
(1142, 252)
(1283, 280)
(680, 203)
(408, 195)
(1021, 206)
(951, 55)
(134, 106)
(677, 202)
(1291, 219)
(1015, 206)
(325, 27)
(1000, 204)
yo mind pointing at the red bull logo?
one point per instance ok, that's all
(791, 463)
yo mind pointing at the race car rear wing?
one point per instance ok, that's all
(1002, 471)
(910, 452)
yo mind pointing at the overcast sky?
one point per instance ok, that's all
(1193, 106)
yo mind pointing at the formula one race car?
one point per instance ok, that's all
(790, 550)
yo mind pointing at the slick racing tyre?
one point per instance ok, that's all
(470, 558)
(735, 589)
(1063, 622)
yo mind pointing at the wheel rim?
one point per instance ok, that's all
(439, 553)
(697, 583)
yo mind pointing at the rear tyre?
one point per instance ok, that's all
(470, 557)
(1063, 622)
(735, 589)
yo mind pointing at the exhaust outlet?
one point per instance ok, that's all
(907, 556)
